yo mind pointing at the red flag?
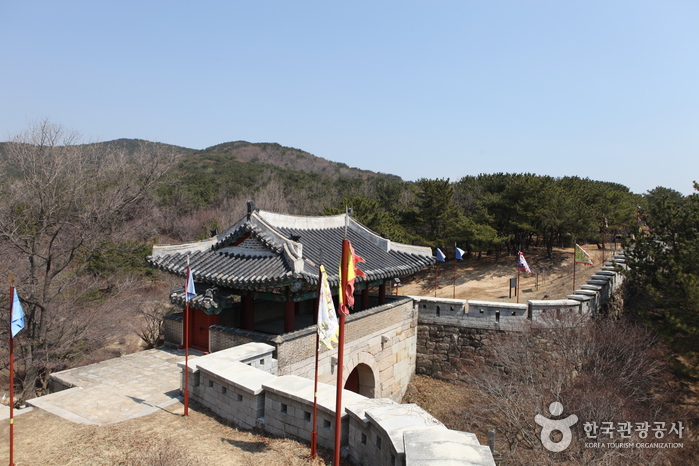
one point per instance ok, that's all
(348, 272)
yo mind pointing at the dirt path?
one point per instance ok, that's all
(488, 280)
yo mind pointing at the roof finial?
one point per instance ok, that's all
(347, 214)
(251, 208)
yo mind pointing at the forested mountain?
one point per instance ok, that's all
(205, 190)
(283, 157)
(304, 182)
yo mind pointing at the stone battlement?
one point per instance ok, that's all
(590, 299)
(455, 333)
(240, 384)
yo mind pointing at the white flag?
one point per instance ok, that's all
(328, 327)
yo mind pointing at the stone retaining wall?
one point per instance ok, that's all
(239, 385)
(172, 330)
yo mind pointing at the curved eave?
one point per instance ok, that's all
(377, 274)
(229, 271)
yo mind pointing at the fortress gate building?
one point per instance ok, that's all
(258, 282)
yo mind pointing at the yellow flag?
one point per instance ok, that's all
(348, 273)
(581, 256)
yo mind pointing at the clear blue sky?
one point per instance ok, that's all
(602, 89)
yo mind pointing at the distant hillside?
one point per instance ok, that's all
(128, 145)
(287, 158)
(303, 182)
(131, 145)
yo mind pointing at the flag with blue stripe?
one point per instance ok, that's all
(522, 263)
(190, 292)
(17, 322)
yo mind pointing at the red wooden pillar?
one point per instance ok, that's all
(248, 317)
(382, 293)
(365, 298)
(289, 308)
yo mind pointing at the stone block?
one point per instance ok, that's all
(386, 362)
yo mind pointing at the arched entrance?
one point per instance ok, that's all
(361, 380)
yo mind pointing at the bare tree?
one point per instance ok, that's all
(60, 202)
(151, 326)
(603, 371)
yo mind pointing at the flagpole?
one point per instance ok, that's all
(436, 278)
(348, 273)
(344, 262)
(453, 295)
(338, 395)
(186, 340)
(314, 432)
(604, 237)
(574, 264)
(518, 272)
(12, 374)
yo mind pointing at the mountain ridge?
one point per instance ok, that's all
(271, 153)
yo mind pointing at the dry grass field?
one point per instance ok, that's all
(164, 438)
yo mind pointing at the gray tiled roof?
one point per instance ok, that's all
(265, 250)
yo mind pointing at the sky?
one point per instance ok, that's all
(606, 90)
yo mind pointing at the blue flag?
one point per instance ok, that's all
(190, 292)
(440, 255)
(459, 254)
(17, 322)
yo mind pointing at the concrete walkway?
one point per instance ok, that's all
(118, 389)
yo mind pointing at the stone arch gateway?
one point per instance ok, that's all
(361, 374)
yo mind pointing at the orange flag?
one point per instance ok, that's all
(348, 272)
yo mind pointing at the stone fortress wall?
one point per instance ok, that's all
(266, 381)
(452, 333)
(242, 384)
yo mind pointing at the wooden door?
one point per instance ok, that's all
(199, 336)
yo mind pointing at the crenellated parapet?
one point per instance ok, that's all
(454, 334)
(240, 384)
(590, 299)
